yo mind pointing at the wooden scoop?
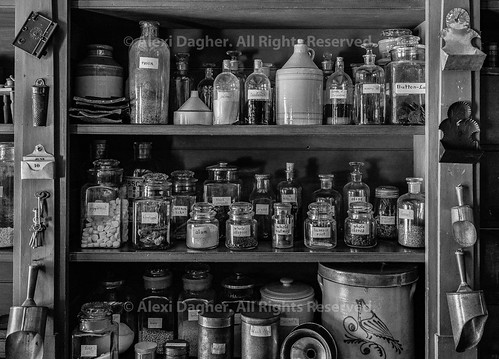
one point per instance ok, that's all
(462, 221)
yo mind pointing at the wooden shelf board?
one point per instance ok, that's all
(6, 129)
(385, 251)
(6, 255)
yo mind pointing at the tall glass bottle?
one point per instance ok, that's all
(269, 71)
(369, 101)
(411, 215)
(183, 83)
(327, 67)
(205, 86)
(338, 96)
(262, 198)
(226, 96)
(149, 76)
(258, 97)
(142, 159)
(235, 68)
(328, 194)
(355, 190)
(290, 191)
(183, 197)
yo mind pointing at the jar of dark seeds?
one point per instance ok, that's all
(241, 227)
(283, 226)
(411, 215)
(385, 212)
(359, 226)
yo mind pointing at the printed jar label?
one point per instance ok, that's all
(218, 348)
(262, 209)
(89, 351)
(98, 209)
(359, 228)
(406, 213)
(221, 201)
(338, 94)
(354, 199)
(237, 319)
(260, 331)
(258, 95)
(154, 323)
(282, 229)
(116, 318)
(321, 232)
(149, 218)
(407, 88)
(225, 96)
(148, 63)
(289, 322)
(371, 88)
(288, 198)
(389, 220)
(241, 231)
(192, 315)
(179, 211)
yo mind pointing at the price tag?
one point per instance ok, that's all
(218, 348)
(154, 323)
(406, 213)
(258, 95)
(148, 63)
(262, 209)
(149, 218)
(221, 201)
(337, 94)
(179, 211)
(407, 88)
(289, 322)
(261, 331)
(88, 351)
(387, 220)
(282, 229)
(192, 315)
(371, 88)
(98, 209)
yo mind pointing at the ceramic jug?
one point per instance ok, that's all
(299, 89)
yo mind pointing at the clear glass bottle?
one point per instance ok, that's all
(202, 227)
(183, 197)
(205, 86)
(104, 207)
(355, 190)
(96, 335)
(226, 96)
(241, 227)
(387, 43)
(320, 230)
(328, 194)
(269, 71)
(359, 226)
(237, 69)
(143, 162)
(262, 199)
(6, 194)
(290, 191)
(385, 212)
(258, 100)
(327, 68)
(405, 82)
(369, 98)
(411, 215)
(152, 214)
(338, 96)
(283, 226)
(149, 76)
(182, 82)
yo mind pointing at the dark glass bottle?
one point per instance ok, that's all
(182, 81)
(262, 198)
(290, 191)
(258, 97)
(205, 86)
(184, 196)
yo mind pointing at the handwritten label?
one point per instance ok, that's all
(221, 201)
(289, 322)
(154, 323)
(321, 232)
(262, 209)
(200, 233)
(260, 331)
(371, 88)
(355, 199)
(149, 218)
(148, 63)
(225, 96)
(406, 213)
(359, 228)
(282, 229)
(241, 231)
(258, 95)
(405, 88)
(288, 198)
(88, 351)
(192, 315)
(98, 209)
(218, 348)
(337, 94)
(179, 211)
(388, 220)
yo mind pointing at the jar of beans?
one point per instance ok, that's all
(241, 227)
(359, 226)
(385, 212)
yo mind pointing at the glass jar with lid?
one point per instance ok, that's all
(6, 194)
(241, 228)
(328, 194)
(183, 197)
(411, 215)
(152, 214)
(104, 207)
(262, 198)
(385, 212)
(320, 226)
(202, 227)
(283, 226)
(359, 226)
(96, 335)
(388, 41)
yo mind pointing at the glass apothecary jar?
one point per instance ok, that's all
(359, 226)
(202, 227)
(385, 212)
(388, 41)
(183, 197)
(320, 226)
(283, 226)
(411, 215)
(104, 207)
(96, 335)
(241, 228)
(6, 194)
(152, 214)
(262, 198)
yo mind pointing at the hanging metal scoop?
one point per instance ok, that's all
(462, 221)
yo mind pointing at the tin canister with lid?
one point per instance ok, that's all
(145, 350)
(177, 349)
(369, 306)
(216, 334)
(260, 335)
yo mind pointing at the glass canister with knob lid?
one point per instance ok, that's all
(320, 226)
(385, 212)
(359, 226)
(6, 194)
(411, 215)
(387, 43)
(283, 226)
(241, 227)
(202, 227)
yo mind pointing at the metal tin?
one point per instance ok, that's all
(260, 335)
(177, 349)
(145, 350)
(216, 335)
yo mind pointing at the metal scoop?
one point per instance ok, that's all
(462, 221)
(467, 311)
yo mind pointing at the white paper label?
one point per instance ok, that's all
(289, 322)
(200, 233)
(218, 348)
(1, 191)
(237, 319)
(179, 211)
(116, 318)
(154, 323)
(258, 95)
(89, 351)
(288, 198)
(192, 315)
(406, 213)
(260, 331)
(405, 88)
(338, 94)
(321, 232)
(98, 209)
(262, 209)
(241, 231)
(389, 220)
(148, 63)
(221, 201)
(359, 228)
(149, 218)
(354, 199)
(371, 88)
(225, 96)
(282, 229)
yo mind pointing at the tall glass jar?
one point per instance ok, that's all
(283, 226)
(338, 96)
(411, 215)
(149, 76)
(226, 96)
(290, 191)
(320, 226)
(152, 214)
(355, 190)
(6, 194)
(241, 228)
(182, 82)
(202, 227)
(328, 194)
(258, 100)
(96, 335)
(385, 212)
(359, 226)
(183, 196)
(262, 198)
(104, 207)
(205, 86)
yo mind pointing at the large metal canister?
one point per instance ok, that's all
(260, 335)
(369, 309)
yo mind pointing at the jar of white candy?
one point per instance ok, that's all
(104, 207)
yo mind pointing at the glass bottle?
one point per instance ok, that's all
(405, 82)
(104, 207)
(411, 215)
(290, 191)
(320, 226)
(156, 320)
(6, 194)
(387, 43)
(283, 226)
(369, 98)
(183, 197)
(262, 199)
(226, 96)
(152, 214)
(258, 98)
(355, 190)
(328, 194)
(96, 335)
(235, 68)
(385, 212)
(182, 82)
(205, 86)
(359, 226)
(269, 71)
(202, 227)
(142, 159)
(241, 228)
(149, 76)
(338, 96)
(327, 68)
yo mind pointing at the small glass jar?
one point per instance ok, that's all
(411, 215)
(202, 227)
(6, 194)
(177, 349)
(184, 196)
(96, 335)
(320, 226)
(241, 227)
(283, 226)
(216, 335)
(145, 350)
(359, 226)
(385, 212)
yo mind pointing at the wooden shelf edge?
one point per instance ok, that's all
(6, 129)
